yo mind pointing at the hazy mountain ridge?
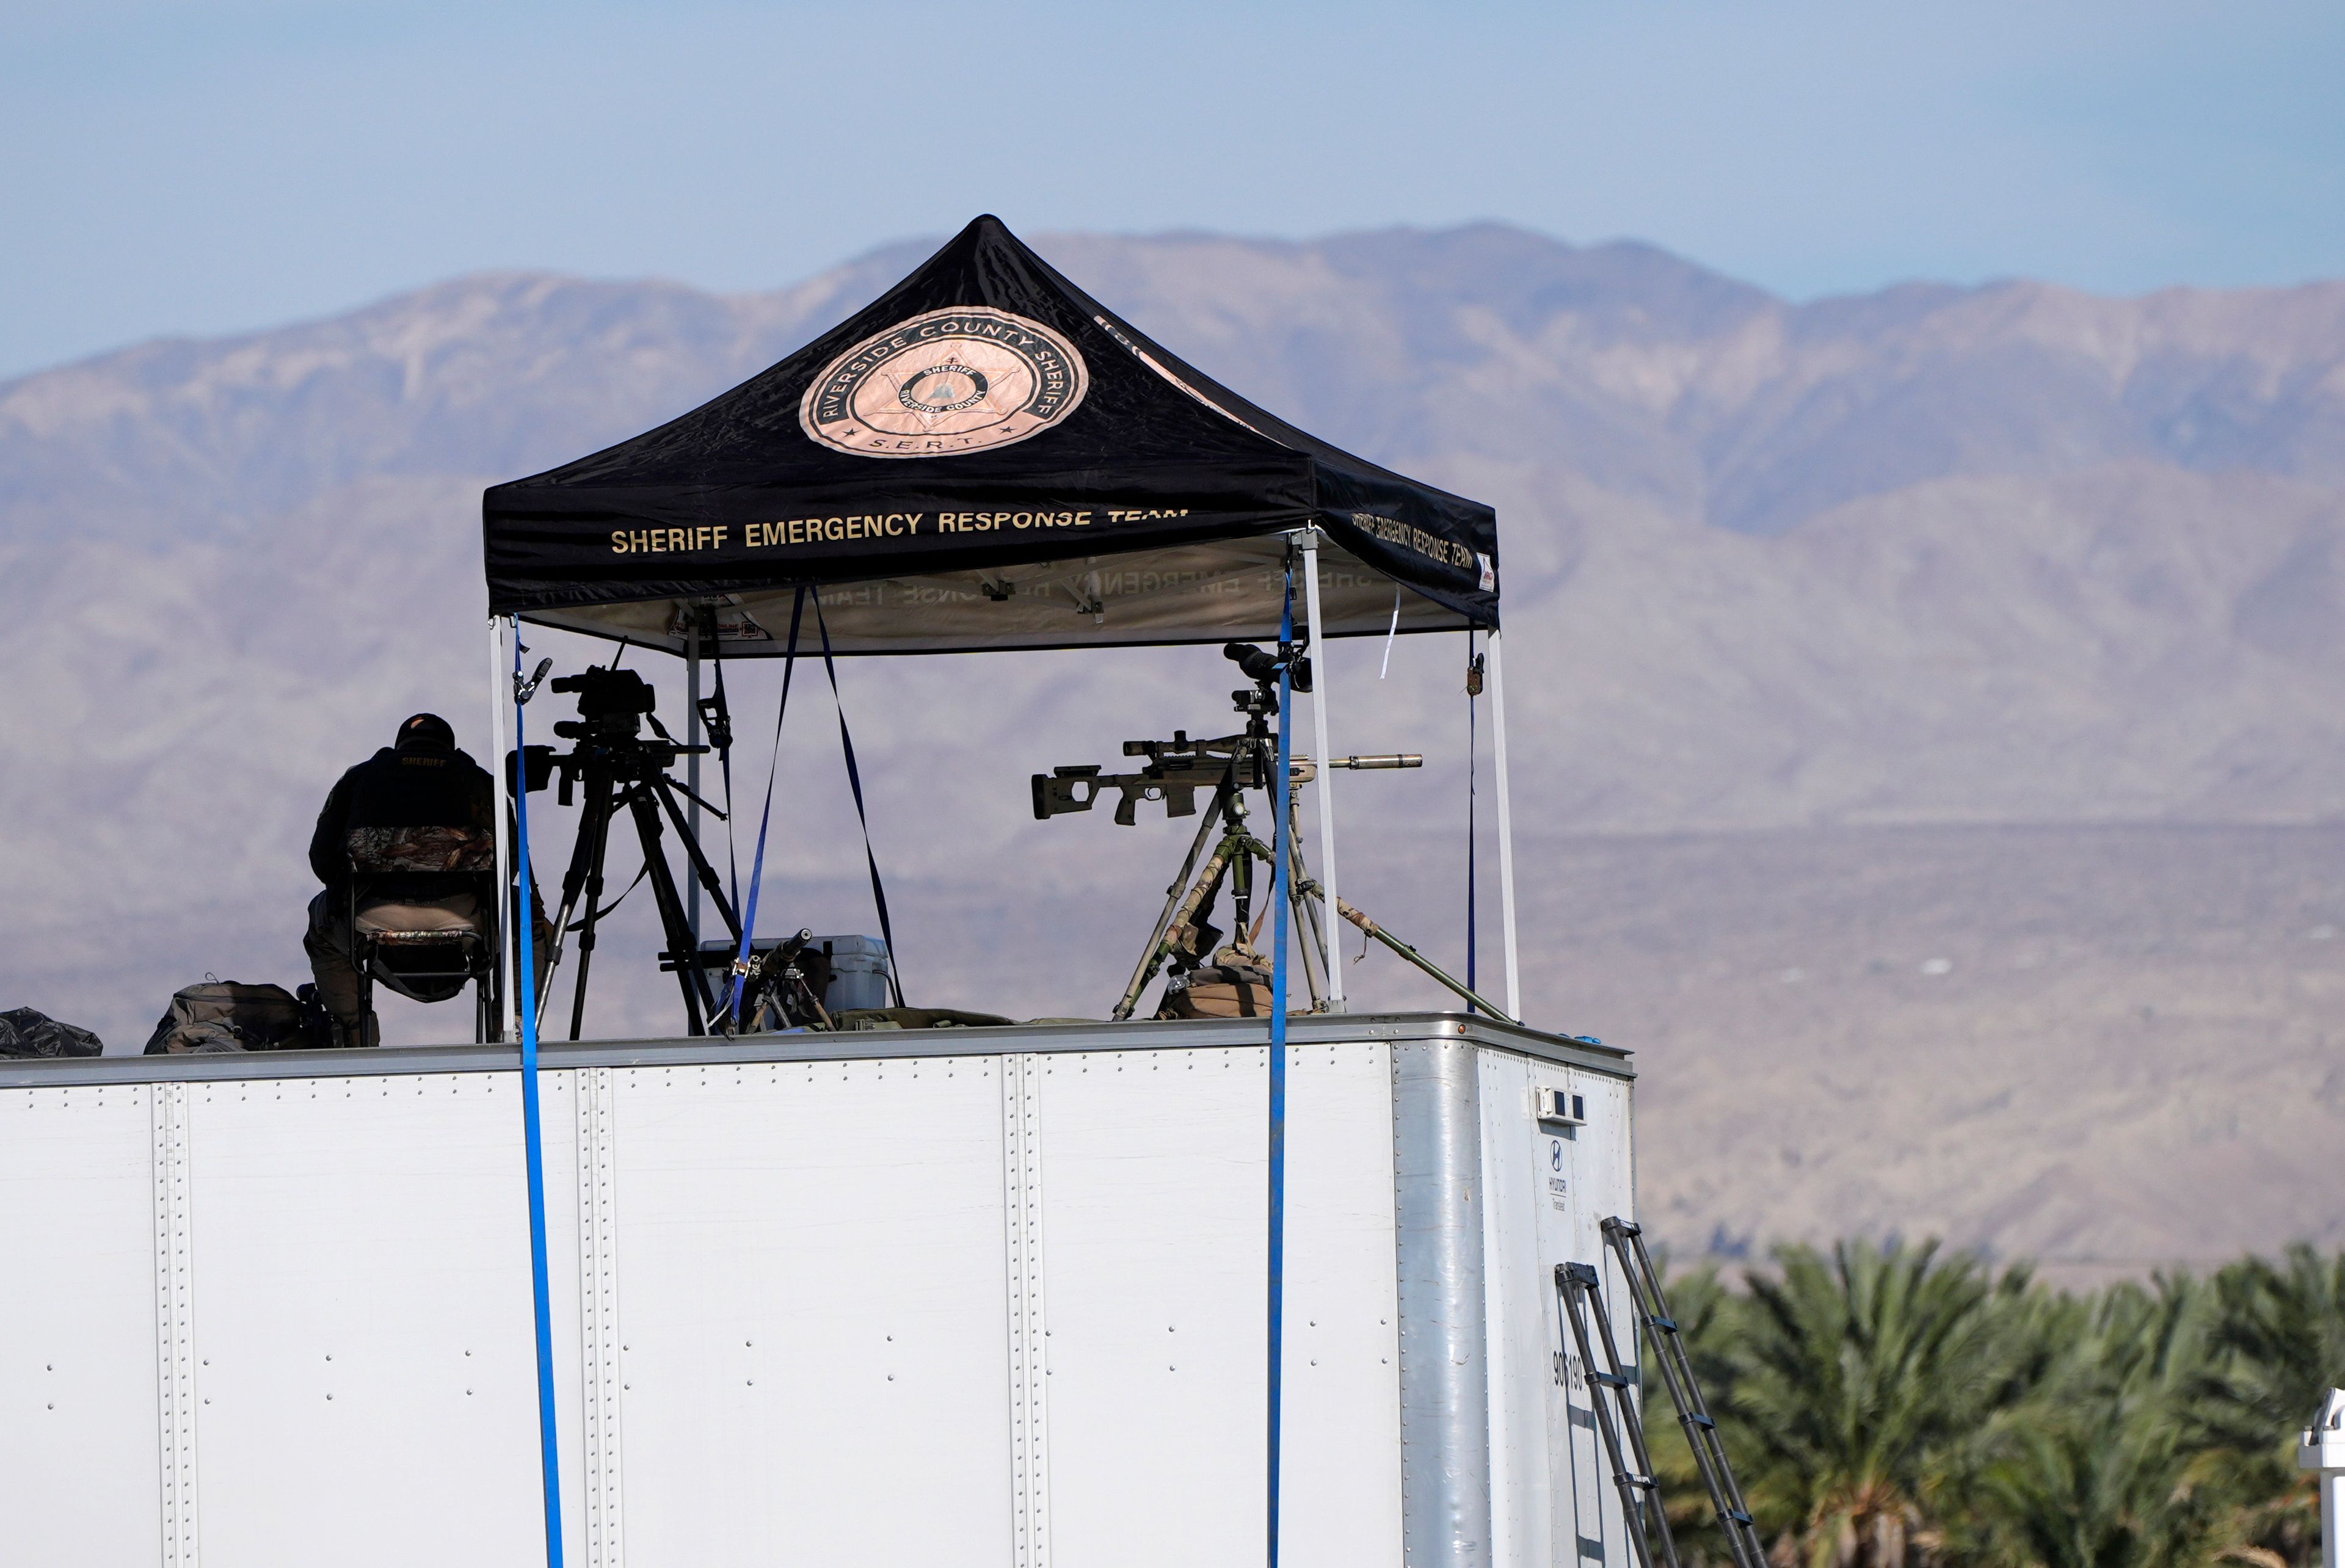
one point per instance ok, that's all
(498, 373)
(1944, 558)
(1673, 385)
(1633, 368)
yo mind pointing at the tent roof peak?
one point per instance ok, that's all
(985, 415)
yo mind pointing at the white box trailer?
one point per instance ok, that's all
(950, 1296)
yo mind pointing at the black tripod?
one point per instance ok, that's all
(614, 783)
(1184, 936)
(621, 769)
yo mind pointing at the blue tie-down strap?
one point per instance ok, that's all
(533, 1144)
(1281, 851)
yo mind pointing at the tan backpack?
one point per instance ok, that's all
(1230, 987)
(230, 1016)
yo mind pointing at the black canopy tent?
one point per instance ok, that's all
(986, 458)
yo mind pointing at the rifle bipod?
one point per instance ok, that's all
(1580, 1292)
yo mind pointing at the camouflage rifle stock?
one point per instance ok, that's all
(1177, 769)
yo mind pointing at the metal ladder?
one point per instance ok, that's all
(1579, 1291)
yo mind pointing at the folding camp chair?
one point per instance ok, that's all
(434, 962)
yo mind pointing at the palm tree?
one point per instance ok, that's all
(1861, 1382)
(1887, 1407)
(2099, 1468)
(2279, 1333)
(2284, 1326)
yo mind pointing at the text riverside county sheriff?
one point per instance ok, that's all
(867, 525)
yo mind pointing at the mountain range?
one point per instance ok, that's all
(1970, 653)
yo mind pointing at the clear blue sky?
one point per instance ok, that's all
(194, 168)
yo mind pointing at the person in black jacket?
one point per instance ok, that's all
(421, 782)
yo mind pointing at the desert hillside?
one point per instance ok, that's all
(1929, 706)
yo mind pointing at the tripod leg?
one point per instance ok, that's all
(1307, 914)
(674, 921)
(1241, 899)
(1155, 954)
(1370, 929)
(1306, 923)
(1314, 952)
(702, 871)
(592, 824)
(1314, 956)
(1299, 899)
(1188, 915)
(593, 893)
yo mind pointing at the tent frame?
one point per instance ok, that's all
(1304, 542)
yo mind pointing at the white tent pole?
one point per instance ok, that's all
(1328, 924)
(692, 769)
(500, 692)
(1506, 831)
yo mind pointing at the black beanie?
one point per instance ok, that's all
(427, 730)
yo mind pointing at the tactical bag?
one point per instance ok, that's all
(230, 1016)
(1231, 988)
(25, 1033)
